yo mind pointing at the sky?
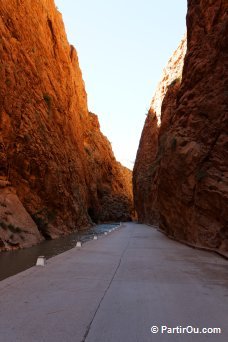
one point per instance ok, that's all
(123, 46)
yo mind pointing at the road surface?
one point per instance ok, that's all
(115, 289)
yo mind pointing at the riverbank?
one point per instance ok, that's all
(13, 262)
(114, 289)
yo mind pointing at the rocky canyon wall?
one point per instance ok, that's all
(149, 152)
(187, 188)
(55, 163)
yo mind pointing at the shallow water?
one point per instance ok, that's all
(13, 262)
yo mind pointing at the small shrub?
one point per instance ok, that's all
(173, 143)
(201, 174)
(8, 82)
(3, 225)
(161, 150)
(153, 168)
(177, 80)
(11, 227)
(48, 99)
(51, 216)
(27, 138)
(14, 229)
(42, 225)
(147, 111)
(152, 114)
(88, 151)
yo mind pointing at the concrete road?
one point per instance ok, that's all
(115, 289)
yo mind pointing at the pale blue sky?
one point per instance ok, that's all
(123, 45)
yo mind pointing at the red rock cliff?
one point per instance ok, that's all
(51, 148)
(191, 188)
(149, 152)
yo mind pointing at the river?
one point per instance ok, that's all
(13, 262)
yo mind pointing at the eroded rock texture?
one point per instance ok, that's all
(51, 147)
(191, 177)
(150, 151)
(17, 227)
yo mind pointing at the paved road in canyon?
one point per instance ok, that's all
(115, 289)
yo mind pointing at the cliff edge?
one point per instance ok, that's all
(52, 152)
(188, 177)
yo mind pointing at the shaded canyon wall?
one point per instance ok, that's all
(187, 189)
(150, 149)
(57, 170)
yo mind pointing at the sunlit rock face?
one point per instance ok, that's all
(60, 165)
(150, 149)
(172, 74)
(191, 172)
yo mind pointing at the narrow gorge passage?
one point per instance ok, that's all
(60, 178)
(58, 172)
